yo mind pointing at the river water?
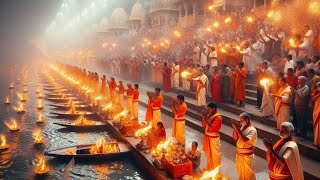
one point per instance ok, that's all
(19, 161)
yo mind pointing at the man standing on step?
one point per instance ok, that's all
(201, 87)
(129, 97)
(211, 143)
(112, 87)
(246, 136)
(284, 157)
(156, 104)
(120, 95)
(175, 75)
(179, 110)
(240, 84)
(135, 102)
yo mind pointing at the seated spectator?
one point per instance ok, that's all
(194, 155)
(158, 135)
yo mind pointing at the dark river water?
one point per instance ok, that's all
(19, 161)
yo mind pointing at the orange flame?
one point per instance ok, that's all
(102, 147)
(73, 109)
(185, 74)
(39, 105)
(41, 167)
(143, 131)
(227, 20)
(40, 119)
(7, 100)
(163, 146)
(13, 126)
(38, 138)
(4, 142)
(20, 109)
(121, 115)
(210, 174)
(83, 121)
(266, 82)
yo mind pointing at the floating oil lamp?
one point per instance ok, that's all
(40, 106)
(3, 145)
(40, 119)
(40, 96)
(70, 102)
(12, 126)
(73, 109)
(38, 138)
(11, 86)
(41, 167)
(38, 91)
(7, 101)
(25, 89)
(20, 109)
(23, 97)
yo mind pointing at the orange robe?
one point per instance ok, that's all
(148, 117)
(178, 130)
(240, 85)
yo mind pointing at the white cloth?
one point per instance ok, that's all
(203, 79)
(213, 59)
(196, 55)
(284, 111)
(203, 58)
(249, 62)
(289, 64)
(175, 76)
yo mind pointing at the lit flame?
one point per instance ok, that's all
(292, 43)
(22, 97)
(238, 48)
(250, 19)
(72, 109)
(210, 174)
(41, 167)
(185, 74)
(38, 138)
(40, 119)
(227, 20)
(13, 126)
(3, 142)
(102, 147)
(143, 131)
(223, 50)
(266, 82)
(70, 102)
(81, 120)
(163, 146)
(314, 7)
(211, 7)
(270, 14)
(40, 105)
(209, 29)
(121, 115)
(216, 24)
(20, 109)
(177, 33)
(108, 106)
(7, 100)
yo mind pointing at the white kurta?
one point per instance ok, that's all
(203, 59)
(284, 111)
(213, 56)
(175, 76)
(244, 156)
(249, 62)
(289, 64)
(202, 92)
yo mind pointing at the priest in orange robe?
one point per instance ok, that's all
(179, 110)
(240, 84)
(129, 91)
(156, 104)
(135, 102)
(315, 96)
(166, 77)
(112, 88)
(120, 95)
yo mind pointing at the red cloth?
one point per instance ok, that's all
(292, 81)
(130, 92)
(121, 89)
(177, 171)
(216, 89)
(136, 95)
(166, 78)
(112, 85)
(216, 124)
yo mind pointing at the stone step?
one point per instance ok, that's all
(251, 93)
(252, 87)
(310, 166)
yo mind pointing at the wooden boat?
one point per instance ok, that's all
(67, 115)
(66, 107)
(72, 125)
(83, 151)
(59, 100)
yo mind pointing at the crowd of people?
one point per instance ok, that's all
(217, 63)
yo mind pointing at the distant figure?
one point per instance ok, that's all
(315, 97)
(166, 77)
(112, 87)
(120, 95)
(175, 75)
(284, 157)
(202, 80)
(156, 104)
(194, 155)
(216, 89)
(103, 90)
(135, 102)
(130, 91)
(240, 84)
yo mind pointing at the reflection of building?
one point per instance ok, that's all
(192, 12)
(164, 14)
(119, 23)
(137, 18)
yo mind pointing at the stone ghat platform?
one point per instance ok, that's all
(309, 154)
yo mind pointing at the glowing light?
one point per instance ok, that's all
(177, 33)
(211, 7)
(40, 119)
(270, 14)
(7, 101)
(314, 7)
(38, 138)
(41, 167)
(185, 74)
(40, 106)
(292, 43)
(266, 82)
(238, 48)
(209, 29)
(223, 50)
(216, 24)
(250, 19)
(103, 147)
(143, 131)
(227, 20)
(210, 174)
(13, 126)
(133, 48)
(11, 86)
(3, 144)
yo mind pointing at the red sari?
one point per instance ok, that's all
(216, 89)
(166, 78)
